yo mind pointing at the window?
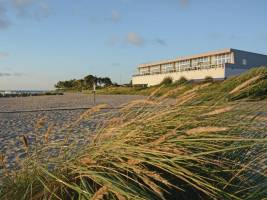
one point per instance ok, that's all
(167, 67)
(144, 70)
(155, 69)
(177, 66)
(223, 58)
(199, 63)
(244, 61)
(183, 65)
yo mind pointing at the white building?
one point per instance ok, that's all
(217, 64)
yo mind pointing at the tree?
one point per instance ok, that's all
(86, 83)
(89, 81)
(106, 81)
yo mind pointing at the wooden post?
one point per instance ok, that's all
(94, 92)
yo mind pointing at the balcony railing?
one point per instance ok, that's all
(192, 68)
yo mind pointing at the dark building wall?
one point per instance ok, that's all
(252, 59)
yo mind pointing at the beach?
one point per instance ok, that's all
(18, 118)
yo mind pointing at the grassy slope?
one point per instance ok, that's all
(206, 145)
(219, 89)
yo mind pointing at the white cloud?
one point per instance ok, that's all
(134, 39)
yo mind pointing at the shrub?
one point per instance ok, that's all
(208, 79)
(166, 81)
(182, 80)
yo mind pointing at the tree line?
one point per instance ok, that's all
(86, 83)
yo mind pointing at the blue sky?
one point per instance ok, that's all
(43, 41)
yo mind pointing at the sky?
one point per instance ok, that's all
(44, 41)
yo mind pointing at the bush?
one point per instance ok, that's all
(182, 80)
(208, 79)
(166, 81)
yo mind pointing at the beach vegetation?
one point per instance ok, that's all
(197, 144)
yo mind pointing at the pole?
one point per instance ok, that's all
(94, 91)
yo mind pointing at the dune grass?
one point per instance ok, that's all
(202, 145)
(255, 88)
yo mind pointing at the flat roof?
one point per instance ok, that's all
(211, 53)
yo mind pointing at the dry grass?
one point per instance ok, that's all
(207, 129)
(245, 84)
(99, 195)
(219, 111)
(152, 150)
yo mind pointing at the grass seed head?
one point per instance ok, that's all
(206, 129)
(2, 159)
(25, 142)
(219, 111)
(40, 123)
(99, 195)
(48, 133)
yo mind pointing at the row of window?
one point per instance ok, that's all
(198, 61)
(154, 70)
(186, 65)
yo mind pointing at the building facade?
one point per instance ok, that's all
(217, 64)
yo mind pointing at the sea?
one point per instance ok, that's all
(7, 92)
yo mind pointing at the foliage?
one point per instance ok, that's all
(166, 81)
(182, 80)
(208, 79)
(86, 83)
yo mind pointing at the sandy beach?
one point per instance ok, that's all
(16, 124)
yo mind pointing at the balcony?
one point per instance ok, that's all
(191, 68)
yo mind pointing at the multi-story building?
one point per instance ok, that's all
(217, 64)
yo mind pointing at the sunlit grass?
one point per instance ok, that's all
(200, 145)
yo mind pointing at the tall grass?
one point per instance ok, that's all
(190, 148)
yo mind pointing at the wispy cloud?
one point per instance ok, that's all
(4, 22)
(160, 42)
(4, 74)
(20, 3)
(3, 55)
(113, 41)
(7, 74)
(116, 64)
(22, 7)
(134, 39)
(184, 3)
(18, 74)
(44, 11)
(113, 17)
(32, 9)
